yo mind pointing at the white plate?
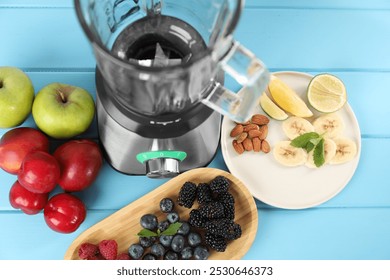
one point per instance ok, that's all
(290, 187)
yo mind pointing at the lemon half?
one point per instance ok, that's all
(326, 93)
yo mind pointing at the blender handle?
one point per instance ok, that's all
(241, 64)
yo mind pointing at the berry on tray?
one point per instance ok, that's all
(149, 221)
(108, 249)
(187, 195)
(220, 184)
(166, 205)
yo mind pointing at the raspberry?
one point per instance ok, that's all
(219, 184)
(108, 249)
(123, 256)
(88, 250)
(204, 193)
(187, 195)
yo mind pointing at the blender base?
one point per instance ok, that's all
(121, 146)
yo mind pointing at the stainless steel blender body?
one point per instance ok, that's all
(158, 79)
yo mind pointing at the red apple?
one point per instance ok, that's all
(80, 162)
(29, 202)
(64, 213)
(39, 172)
(17, 143)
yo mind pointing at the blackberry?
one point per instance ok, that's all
(166, 205)
(227, 201)
(196, 219)
(219, 184)
(204, 193)
(187, 195)
(224, 227)
(212, 210)
(216, 242)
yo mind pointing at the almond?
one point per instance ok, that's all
(265, 147)
(256, 144)
(250, 127)
(260, 119)
(238, 147)
(237, 130)
(240, 138)
(263, 132)
(247, 143)
(244, 123)
(254, 133)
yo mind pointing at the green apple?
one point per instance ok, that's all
(63, 111)
(16, 96)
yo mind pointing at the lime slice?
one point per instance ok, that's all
(326, 93)
(287, 99)
(271, 109)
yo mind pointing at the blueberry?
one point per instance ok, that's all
(177, 243)
(173, 217)
(150, 257)
(149, 221)
(194, 239)
(158, 250)
(201, 253)
(166, 240)
(163, 225)
(147, 241)
(166, 205)
(136, 251)
(186, 253)
(171, 256)
(184, 229)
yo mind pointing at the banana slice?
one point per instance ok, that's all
(288, 155)
(329, 150)
(296, 126)
(346, 150)
(331, 125)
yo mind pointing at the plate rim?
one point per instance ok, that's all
(306, 205)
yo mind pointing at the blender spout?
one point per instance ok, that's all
(152, 7)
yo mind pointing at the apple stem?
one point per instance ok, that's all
(1, 83)
(62, 95)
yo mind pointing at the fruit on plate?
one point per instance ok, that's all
(64, 213)
(330, 125)
(17, 143)
(329, 152)
(29, 202)
(16, 96)
(326, 93)
(296, 126)
(63, 111)
(346, 150)
(271, 109)
(39, 172)
(288, 155)
(287, 99)
(80, 162)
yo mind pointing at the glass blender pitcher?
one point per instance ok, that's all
(159, 79)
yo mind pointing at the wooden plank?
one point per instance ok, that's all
(335, 233)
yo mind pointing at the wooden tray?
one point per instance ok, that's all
(123, 225)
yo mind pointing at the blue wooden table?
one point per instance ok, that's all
(350, 39)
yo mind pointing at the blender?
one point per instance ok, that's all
(159, 80)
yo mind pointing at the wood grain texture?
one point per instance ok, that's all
(123, 225)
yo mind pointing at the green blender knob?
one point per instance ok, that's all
(161, 164)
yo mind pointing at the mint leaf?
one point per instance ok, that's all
(172, 229)
(309, 147)
(315, 141)
(302, 140)
(146, 233)
(319, 154)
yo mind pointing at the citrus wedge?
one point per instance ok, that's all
(326, 93)
(271, 109)
(288, 99)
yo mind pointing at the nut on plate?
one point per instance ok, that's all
(250, 127)
(247, 143)
(238, 147)
(256, 142)
(237, 130)
(259, 119)
(265, 147)
(242, 137)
